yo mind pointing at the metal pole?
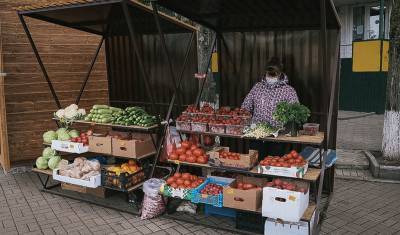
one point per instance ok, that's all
(324, 75)
(171, 104)
(208, 65)
(137, 53)
(165, 50)
(46, 76)
(90, 70)
(382, 19)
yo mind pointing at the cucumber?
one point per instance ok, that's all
(100, 106)
(105, 120)
(104, 111)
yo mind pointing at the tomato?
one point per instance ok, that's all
(201, 160)
(274, 161)
(173, 156)
(186, 176)
(269, 184)
(89, 132)
(79, 139)
(180, 150)
(285, 165)
(174, 185)
(193, 147)
(191, 159)
(194, 185)
(182, 157)
(73, 139)
(189, 153)
(248, 186)
(198, 152)
(180, 181)
(293, 152)
(298, 161)
(177, 175)
(170, 180)
(277, 182)
(291, 161)
(281, 160)
(240, 185)
(85, 141)
(185, 144)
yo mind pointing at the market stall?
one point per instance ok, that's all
(125, 135)
(306, 35)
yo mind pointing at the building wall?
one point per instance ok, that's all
(66, 54)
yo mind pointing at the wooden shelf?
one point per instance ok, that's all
(137, 128)
(316, 140)
(312, 174)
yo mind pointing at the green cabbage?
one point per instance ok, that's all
(63, 136)
(54, 161)
(48, 152)
(73, 133)
(41, 163)
(61, 130)
(49, 136)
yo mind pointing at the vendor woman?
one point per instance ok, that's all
(263, 99)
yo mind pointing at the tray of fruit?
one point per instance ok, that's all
(122, 177)
(183, 122)
(223, 157)
(227, 112)
(181, 185)
(290, 165)
(188, 152)
(211, 191)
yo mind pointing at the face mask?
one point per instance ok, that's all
(271, 80)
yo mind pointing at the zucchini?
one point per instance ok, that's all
(100, 106)
(104, 111)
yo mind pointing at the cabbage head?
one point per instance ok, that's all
(54, 161)
(49, 136)
(41, 163)
(63, 136)
(48, 152)
(61, 130)
(73, 133)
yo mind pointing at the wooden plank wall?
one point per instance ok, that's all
(66, 54)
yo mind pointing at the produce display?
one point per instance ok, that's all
(122, 176)
(49, 159)
(82, 138)
(236, 112)
(245, 186)
(81, 168)
(189, 152)
(135, 116)
(101, 113)
(261, 130)
(282, 184)
(69, 114)
(212, 189)
(288, 160)
(229, 155)
(184, 181)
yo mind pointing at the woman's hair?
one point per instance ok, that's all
(274, 68)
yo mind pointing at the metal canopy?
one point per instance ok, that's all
(255, 15)
(94, 16)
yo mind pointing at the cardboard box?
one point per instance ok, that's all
(69, 147)
(100, 144)
(295, 172)
(93, 182)
(284, 204)
(98, 192)
(278, 227)
(247, 161)
(249, 200)
(141, 145)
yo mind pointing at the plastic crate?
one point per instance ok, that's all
(121, 182)
(182, 125)
(199, 126)
(217, 128)
(215, 200)
(219, 211)
(252, 222)
(234, 129)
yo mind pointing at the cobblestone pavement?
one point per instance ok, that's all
(356, 207)
(363, 133)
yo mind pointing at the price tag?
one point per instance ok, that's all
(292, 198)
(176, 162)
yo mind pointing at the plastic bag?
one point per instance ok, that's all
(187, 206)
(152, 206)
(152, 186)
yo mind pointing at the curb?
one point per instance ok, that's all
(368, 179)
(373, 163)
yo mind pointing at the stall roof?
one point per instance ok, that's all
(94, 15)
(255, 15)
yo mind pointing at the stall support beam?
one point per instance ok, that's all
(46, 76)
(165, 50)
(213, 41)
(137, 53)
(171, 104)
(89, 72)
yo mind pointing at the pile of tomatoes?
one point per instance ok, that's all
(226, 121)
(229, 155)
(184, 118)
(212, 189)
(235, 112)
(246, 186)
(281, 184)
(184, 181)
(189, 152)
(288, 160)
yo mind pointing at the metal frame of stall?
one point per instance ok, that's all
(195, 13)
(106, 30)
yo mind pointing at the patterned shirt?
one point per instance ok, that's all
(263, 98)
